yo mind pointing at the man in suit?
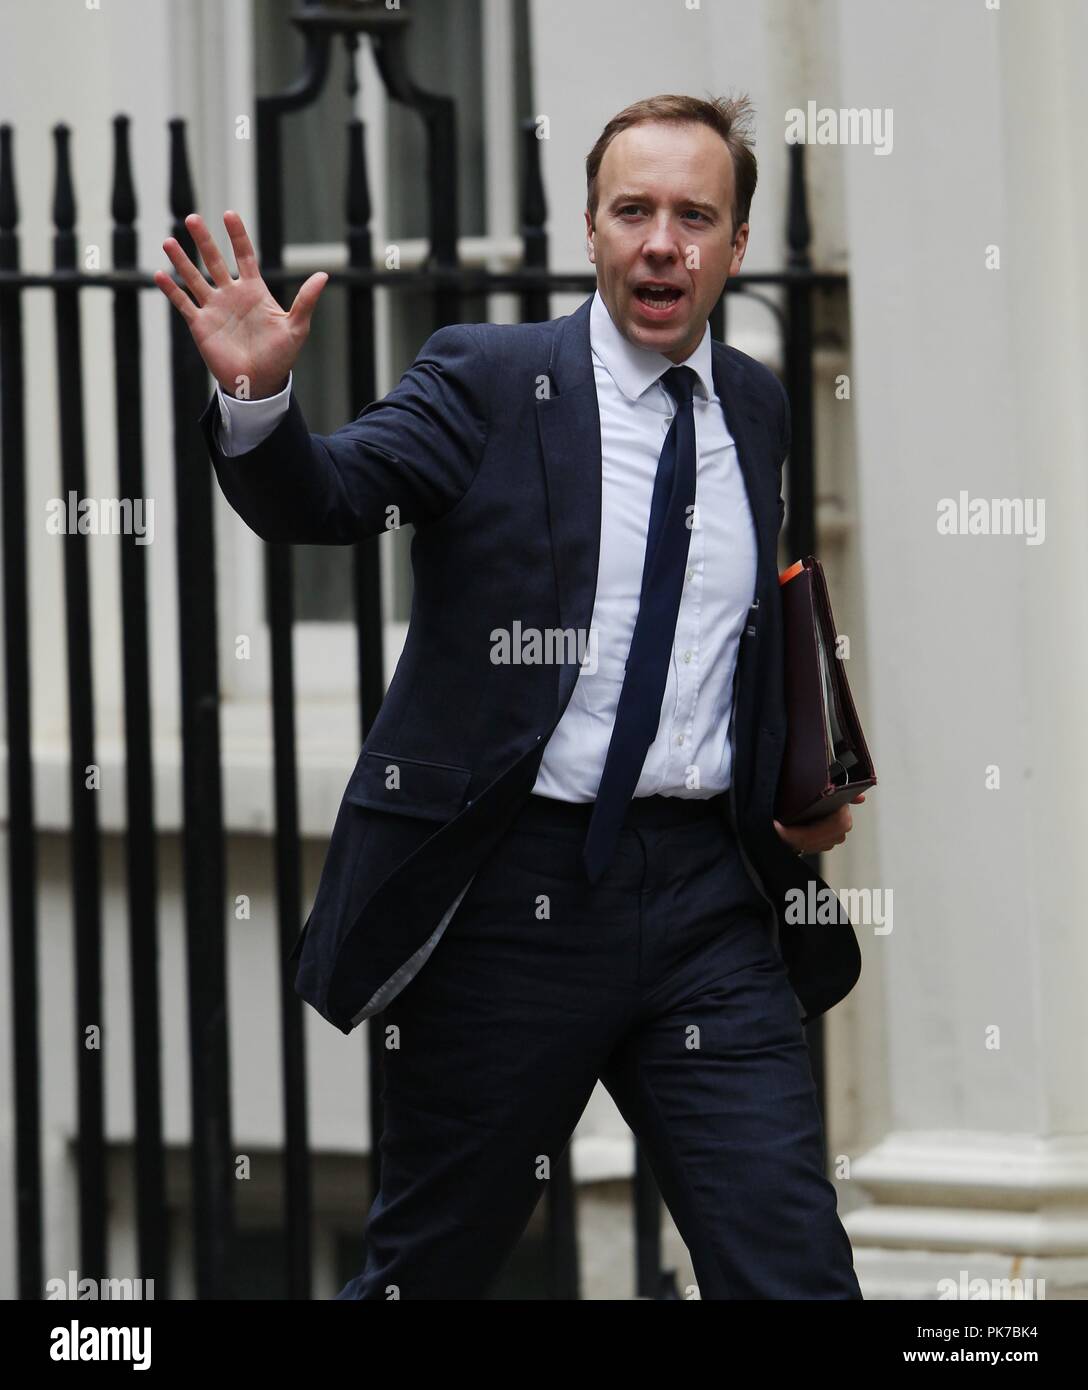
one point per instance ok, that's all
(556, 859)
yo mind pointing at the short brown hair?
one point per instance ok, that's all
(730, 118)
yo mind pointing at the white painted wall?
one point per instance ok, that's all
(969, 378)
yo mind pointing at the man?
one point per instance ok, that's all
(555, 858)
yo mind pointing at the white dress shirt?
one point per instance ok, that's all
(690, 756)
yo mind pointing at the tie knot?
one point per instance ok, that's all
(679, 382)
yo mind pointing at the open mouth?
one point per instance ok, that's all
(658, 296)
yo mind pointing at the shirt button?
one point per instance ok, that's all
(691, 573)
(679, 738)
(687, 656)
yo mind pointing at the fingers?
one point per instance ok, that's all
(176, 295)
(818, 836)
(823, 845)
(244, 253)
(304, 302)
(188, 272)
(836, 834)
(821, 835)
(209, 252)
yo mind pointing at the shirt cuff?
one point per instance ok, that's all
(244, 424)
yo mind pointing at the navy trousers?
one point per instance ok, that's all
(663, 981)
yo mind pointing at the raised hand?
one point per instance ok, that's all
(248, 341)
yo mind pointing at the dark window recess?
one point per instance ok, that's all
(445, 55)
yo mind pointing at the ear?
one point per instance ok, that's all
(589, 238)
(740, 245)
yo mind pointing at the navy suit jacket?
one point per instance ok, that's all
(490, 446)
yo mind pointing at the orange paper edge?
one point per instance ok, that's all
(794, 569)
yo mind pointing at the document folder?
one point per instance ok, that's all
(826, 761)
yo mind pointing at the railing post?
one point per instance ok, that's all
(801, 524)
(801, 520)
(280, 616)
(141, 842)
(85, 841)
(22, 838)
(535, 303)
(212, 1166)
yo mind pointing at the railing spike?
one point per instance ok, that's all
(181, 195)
(64, 194)
(357, 199)
(798, 228)
(534, 202)
(123, 199)
(9, 206)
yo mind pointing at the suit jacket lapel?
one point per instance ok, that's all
(749, 431)
(570, 438)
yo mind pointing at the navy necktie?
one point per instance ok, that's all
(639, 711)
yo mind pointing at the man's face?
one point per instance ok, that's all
(664, 201)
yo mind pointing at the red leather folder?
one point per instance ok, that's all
(826, 761)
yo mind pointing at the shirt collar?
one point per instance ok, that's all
(635, 369)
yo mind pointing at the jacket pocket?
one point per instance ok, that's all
(408, 786)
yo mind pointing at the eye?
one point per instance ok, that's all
(629, 207)
(694, 212)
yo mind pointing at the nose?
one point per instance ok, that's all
(661, 240)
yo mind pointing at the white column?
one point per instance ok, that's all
(975, 1151)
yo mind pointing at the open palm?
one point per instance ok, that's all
(247, 340)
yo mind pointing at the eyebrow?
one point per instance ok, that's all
(628, 197)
